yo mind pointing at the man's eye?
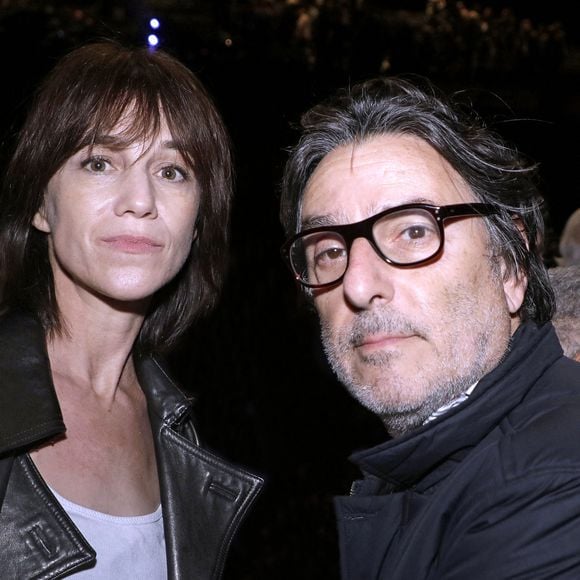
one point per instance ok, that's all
(334, 253)
(330, 255)
(415, 232)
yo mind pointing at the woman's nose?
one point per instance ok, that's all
(136, 195)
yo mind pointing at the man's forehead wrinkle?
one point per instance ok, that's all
(383, 206)
(400, 170)
(352, 153)
(372, 209)
(354, 147)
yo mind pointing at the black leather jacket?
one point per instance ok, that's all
(203, 499)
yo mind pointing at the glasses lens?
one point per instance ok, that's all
(319, 258)
(407, 236)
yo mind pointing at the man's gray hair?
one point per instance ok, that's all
(496, 173)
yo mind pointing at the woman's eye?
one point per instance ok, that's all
(173, 173)
(96, 164)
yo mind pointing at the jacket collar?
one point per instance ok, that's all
(29, 409)
(168, 405)
(203, 498)
(403, 461)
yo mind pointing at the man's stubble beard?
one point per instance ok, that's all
(472, 348)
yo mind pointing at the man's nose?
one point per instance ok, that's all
(136, 195)
(368, 278)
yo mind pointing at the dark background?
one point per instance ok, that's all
(265, 397)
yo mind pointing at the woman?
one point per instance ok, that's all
(112, 238)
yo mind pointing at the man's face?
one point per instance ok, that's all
(405, 341)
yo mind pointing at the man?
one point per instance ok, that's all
(417, 233)
(570, 241)
(566, 283)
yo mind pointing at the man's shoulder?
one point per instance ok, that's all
(542, 433)
(565, 369)
(553, 396)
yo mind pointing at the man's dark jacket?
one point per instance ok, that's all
(489, 491)
(203, 499)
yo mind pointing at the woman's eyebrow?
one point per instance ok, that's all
(118, 142)
(110, 141)
(170, 144)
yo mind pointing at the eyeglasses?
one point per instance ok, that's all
(407, 235)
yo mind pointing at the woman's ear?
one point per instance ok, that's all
(40, 222)
(197, 228)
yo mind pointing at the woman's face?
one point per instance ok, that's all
(120, 218)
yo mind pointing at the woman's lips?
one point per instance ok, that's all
(133, 244)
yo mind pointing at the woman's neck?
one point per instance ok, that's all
(94, 348)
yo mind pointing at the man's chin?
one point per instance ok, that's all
(401, 404)
(386, 399)
(399, 415)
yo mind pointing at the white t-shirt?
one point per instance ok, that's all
(127, 547)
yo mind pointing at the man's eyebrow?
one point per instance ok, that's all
(332, 220)
(317, 221)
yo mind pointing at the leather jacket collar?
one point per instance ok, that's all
(203, 498)
(29, 409)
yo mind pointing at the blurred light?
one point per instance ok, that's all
(154, 23)
(228, 42)
(153, 40)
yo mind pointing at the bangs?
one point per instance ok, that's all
(123, 120)
(133, 118)
(128, 94)
(122, 116)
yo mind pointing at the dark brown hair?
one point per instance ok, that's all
(85, 95)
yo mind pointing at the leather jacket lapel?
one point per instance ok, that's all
(37, 538)
(204, 501)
